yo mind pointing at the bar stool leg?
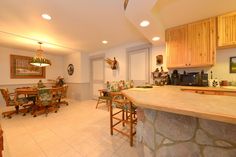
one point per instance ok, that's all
(107, 103)
(131, 126)
(123, 117)
(111, 119)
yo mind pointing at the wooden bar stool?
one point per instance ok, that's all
(123, 112)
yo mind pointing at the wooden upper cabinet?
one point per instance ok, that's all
(227, 30)
(191, 45)
(202, 43)
(176, 46)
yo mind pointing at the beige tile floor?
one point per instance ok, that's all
(77, 130)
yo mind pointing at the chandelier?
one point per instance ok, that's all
(39, 60)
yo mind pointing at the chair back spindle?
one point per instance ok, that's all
(6, 96)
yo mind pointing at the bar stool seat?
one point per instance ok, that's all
(123, 112)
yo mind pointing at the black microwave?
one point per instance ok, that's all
(194, 79)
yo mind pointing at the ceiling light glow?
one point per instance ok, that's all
(144, 23)
(104, 42)
(46, 17)
(156, 38)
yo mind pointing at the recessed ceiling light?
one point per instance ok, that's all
(156, 38)
(46, 17)
(144, 23)
(104, 42)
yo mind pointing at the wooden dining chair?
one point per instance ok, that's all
(12, 100)
(64, 95)
(45, 102)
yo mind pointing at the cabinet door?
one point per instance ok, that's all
(227, 30)
(176, 45)
(202, 43)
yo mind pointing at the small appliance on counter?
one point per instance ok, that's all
(175, 78)
(189, 79)
(204, 79)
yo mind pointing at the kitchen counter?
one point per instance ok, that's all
(223, 88)
(172, 99)
(172, 122)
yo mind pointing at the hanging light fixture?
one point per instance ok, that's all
(39, 60)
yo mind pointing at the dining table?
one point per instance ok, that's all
(26, 90)
(31, 94)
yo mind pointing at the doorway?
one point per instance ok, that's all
(138, 66)
(97, 75)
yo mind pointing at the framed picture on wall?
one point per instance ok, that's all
(159, 59)
(232, 64)
(21, 68)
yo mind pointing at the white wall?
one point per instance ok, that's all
(158, 51)
(52, 72)
(79, 86)
(220, 69)
(81, 67)
(119, 53)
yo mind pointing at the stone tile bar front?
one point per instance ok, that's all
(172, 135)
(171, 125)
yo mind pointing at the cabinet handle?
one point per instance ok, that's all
(189, 64)
(186, 64)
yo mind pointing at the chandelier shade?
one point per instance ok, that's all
(39, 60)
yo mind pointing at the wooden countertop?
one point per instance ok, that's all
(172, 99)
(218, 89)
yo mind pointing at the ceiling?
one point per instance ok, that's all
(76, 25)
(81, 25)
(164, 14)
(178, 12)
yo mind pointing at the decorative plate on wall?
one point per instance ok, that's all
(70, 69)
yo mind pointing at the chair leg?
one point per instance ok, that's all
(46, 110)
(67, 104)
(17, 109)
(56, 110)
(8, 114)
(24, 111)
(40, 110)
(56, 107)
(98, 103)
(64, 102)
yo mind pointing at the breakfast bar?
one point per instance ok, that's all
(173, 122)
